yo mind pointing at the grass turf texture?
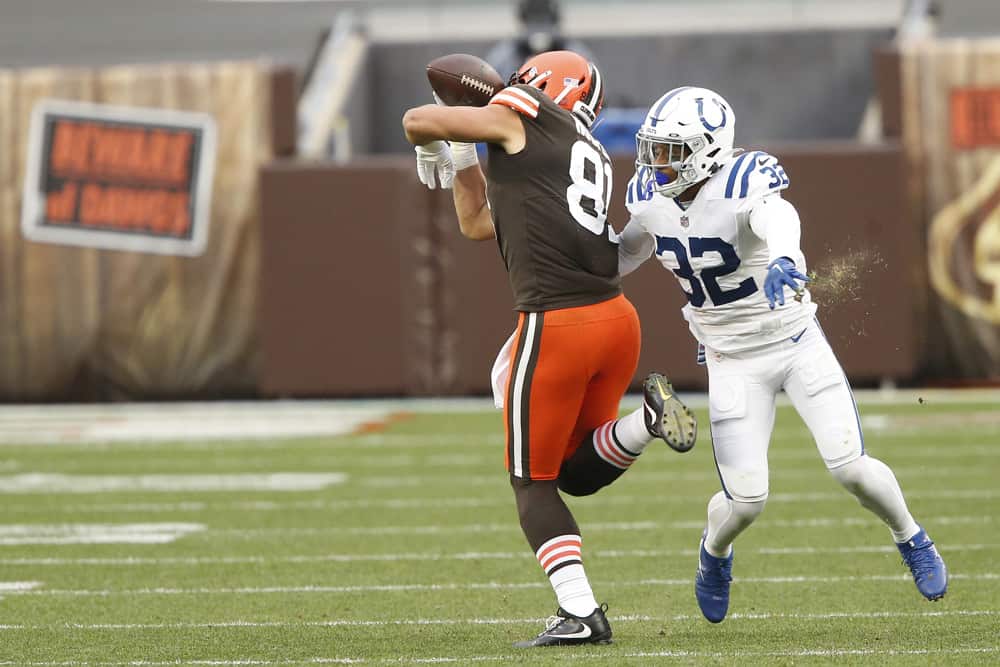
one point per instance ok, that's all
(418, 555)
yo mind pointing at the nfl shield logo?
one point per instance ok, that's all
(684, 221)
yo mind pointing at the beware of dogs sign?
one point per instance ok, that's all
(121, 178)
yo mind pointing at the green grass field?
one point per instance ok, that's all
(415, 556)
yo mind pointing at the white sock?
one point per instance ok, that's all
(876, 488)
(631, 432)
(562, 560)
(726, 520)
(573, 590)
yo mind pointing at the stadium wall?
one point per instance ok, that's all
(368, 287)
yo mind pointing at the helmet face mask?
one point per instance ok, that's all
(568, 79)
(686, 137)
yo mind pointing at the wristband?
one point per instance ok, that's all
(463, 155)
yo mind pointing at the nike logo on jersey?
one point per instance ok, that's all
(795, 339)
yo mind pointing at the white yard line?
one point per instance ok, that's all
(761, 616)
(979, 578)
(140, 561)
(103, 533)
(431, 529)
(418, 479)
(495, 500)
(520, 657)
(8, 586)
(612, 526)
(492, 456)
(45, 483)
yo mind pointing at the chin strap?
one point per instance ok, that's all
(583, 112)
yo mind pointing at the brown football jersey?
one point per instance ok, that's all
(549, 204)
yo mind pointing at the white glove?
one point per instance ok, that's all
(435, 158)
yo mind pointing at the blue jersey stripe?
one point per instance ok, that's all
(663, 102)
(731, 183)
(745, 182)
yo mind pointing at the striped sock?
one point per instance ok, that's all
(609, 447)
(561, 559)
(631, 431)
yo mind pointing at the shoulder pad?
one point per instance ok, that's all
(751, 176)
(521, 98)
(639, 192)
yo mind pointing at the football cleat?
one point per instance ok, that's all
(711, 584)
(565, 629)
(929, 572)
(666, 417)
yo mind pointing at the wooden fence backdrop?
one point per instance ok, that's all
(86, 323)
(951, 133)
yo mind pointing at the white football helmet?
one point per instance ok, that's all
(689, 129)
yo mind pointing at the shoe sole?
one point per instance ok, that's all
(599, 642)
(677, 420)
(681, 421)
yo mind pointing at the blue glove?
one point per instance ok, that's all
(781, 272)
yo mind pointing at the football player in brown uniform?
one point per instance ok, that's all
(576, 346)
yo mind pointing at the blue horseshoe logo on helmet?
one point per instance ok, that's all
(701, 114)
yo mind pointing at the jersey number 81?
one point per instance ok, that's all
(590, 192)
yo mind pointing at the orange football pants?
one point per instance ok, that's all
(569, 369)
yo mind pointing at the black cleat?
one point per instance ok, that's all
(666, 417)
(565, 629)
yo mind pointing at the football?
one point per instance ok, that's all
(463, 80)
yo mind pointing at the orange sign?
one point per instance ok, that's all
(975, 117)
(119, 178)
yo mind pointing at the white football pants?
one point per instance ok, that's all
(742, 391)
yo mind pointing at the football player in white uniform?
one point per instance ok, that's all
(714, 216)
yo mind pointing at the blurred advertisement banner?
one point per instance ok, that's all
(130, 295)
(121, 178)
(951, 121)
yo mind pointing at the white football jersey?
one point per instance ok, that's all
(717, 258)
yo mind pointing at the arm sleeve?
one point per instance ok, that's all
(635, 246)
(776, 222)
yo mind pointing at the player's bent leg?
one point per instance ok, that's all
(727, 518)
(876, 488)
(600, 460)
(615, 445)
(821, 394)
(607, 446)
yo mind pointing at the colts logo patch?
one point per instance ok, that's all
(701, 114)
